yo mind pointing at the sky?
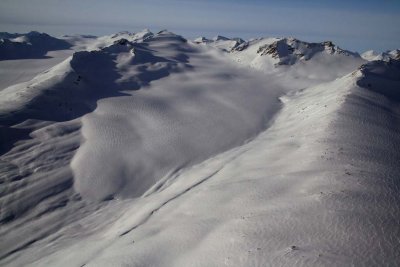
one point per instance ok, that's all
(354, 25)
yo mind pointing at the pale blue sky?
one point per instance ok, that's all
(354, 25)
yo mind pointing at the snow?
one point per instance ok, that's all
(105, 41)
(220, 42)
(324, 62)
(29, 45)
(385, 56)
(175, 123)
(23, 70)
(145, 149)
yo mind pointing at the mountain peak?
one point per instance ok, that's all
(385, 56)
(220, 38)
(290, 50)
(201, 39)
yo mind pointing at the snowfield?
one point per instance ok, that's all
(143, 149)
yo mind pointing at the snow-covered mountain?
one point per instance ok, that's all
(288, 51)
(221, 42)
(146, 149)
(29, 45)
(385, 56)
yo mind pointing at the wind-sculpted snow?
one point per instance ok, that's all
(145, 149)
(40, 129)
(173, 124)
(303, 193)
(170, 124)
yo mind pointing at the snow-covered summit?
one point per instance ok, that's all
(297, 61)
(370, 55)
(201, 39)
(385, 56)
(107, 40)
(133, 36)
(291, 57)
(220, 38)
(287, 50)
(290, 50)
(221, 42)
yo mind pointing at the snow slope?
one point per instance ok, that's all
(22, 70)
(149, 150)
(47, 52)
(163, 127)
(323, 199)
(175, 123)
